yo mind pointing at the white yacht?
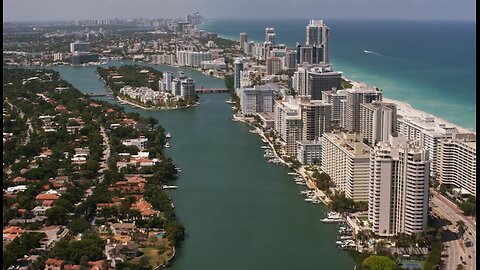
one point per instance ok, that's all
(333, 217)
(169, 187)
(167, 145)
(292, 173)
(168, 135)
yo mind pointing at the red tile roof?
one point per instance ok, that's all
(48, 202)
(136, 179)
(52, 261)
(19, 179)
(13, 230)
(42, 197)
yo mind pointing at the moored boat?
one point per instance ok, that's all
(333, 217)
(169, 187)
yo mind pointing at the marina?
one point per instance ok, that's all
(333, 217)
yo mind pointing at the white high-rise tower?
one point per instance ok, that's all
(398, 188)
(317, 34)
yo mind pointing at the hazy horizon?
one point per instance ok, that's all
(61, 10)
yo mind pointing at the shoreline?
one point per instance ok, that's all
(403, 106)
(405, 109)
(120, 100)
(301, 172)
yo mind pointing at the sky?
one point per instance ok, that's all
(48, 10)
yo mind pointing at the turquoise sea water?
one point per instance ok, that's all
(428, 64)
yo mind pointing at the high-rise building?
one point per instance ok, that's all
(59, 56)
(166, 82)
(378, 120)
(274, 65)
(311, 80)
(306, 55)
(338, 100)
(316, 118)
(249, 48)
(427, 132)
(187, 88)
(355, 97)
(275, 52)
(309, 152)
(238, 66)
(243, 40)
(345, 158)
(288, 123)
(272, 38)
(290, 60)
(398, 189)
(176, 90)
(317, 33)
(310, 54)
(78, 46)
(255, 100)
(191, 58)
(194, 18)
(457, 162)
(79, 58)
(245, 81)
(181, 27)
(270, 34)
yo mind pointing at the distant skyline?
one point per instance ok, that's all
(52, 10)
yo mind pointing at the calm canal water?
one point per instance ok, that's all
(239, 211)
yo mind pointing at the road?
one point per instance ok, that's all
(27, 138)
(106, 152)
(51, 235)
(456, 247)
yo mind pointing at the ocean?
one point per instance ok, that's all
(428, 64)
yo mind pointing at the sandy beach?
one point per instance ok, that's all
(405, 109)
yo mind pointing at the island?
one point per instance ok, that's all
(143, 87)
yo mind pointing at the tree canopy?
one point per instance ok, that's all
(375, 262)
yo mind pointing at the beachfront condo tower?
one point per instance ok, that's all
(398, 187)
(317, 33)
